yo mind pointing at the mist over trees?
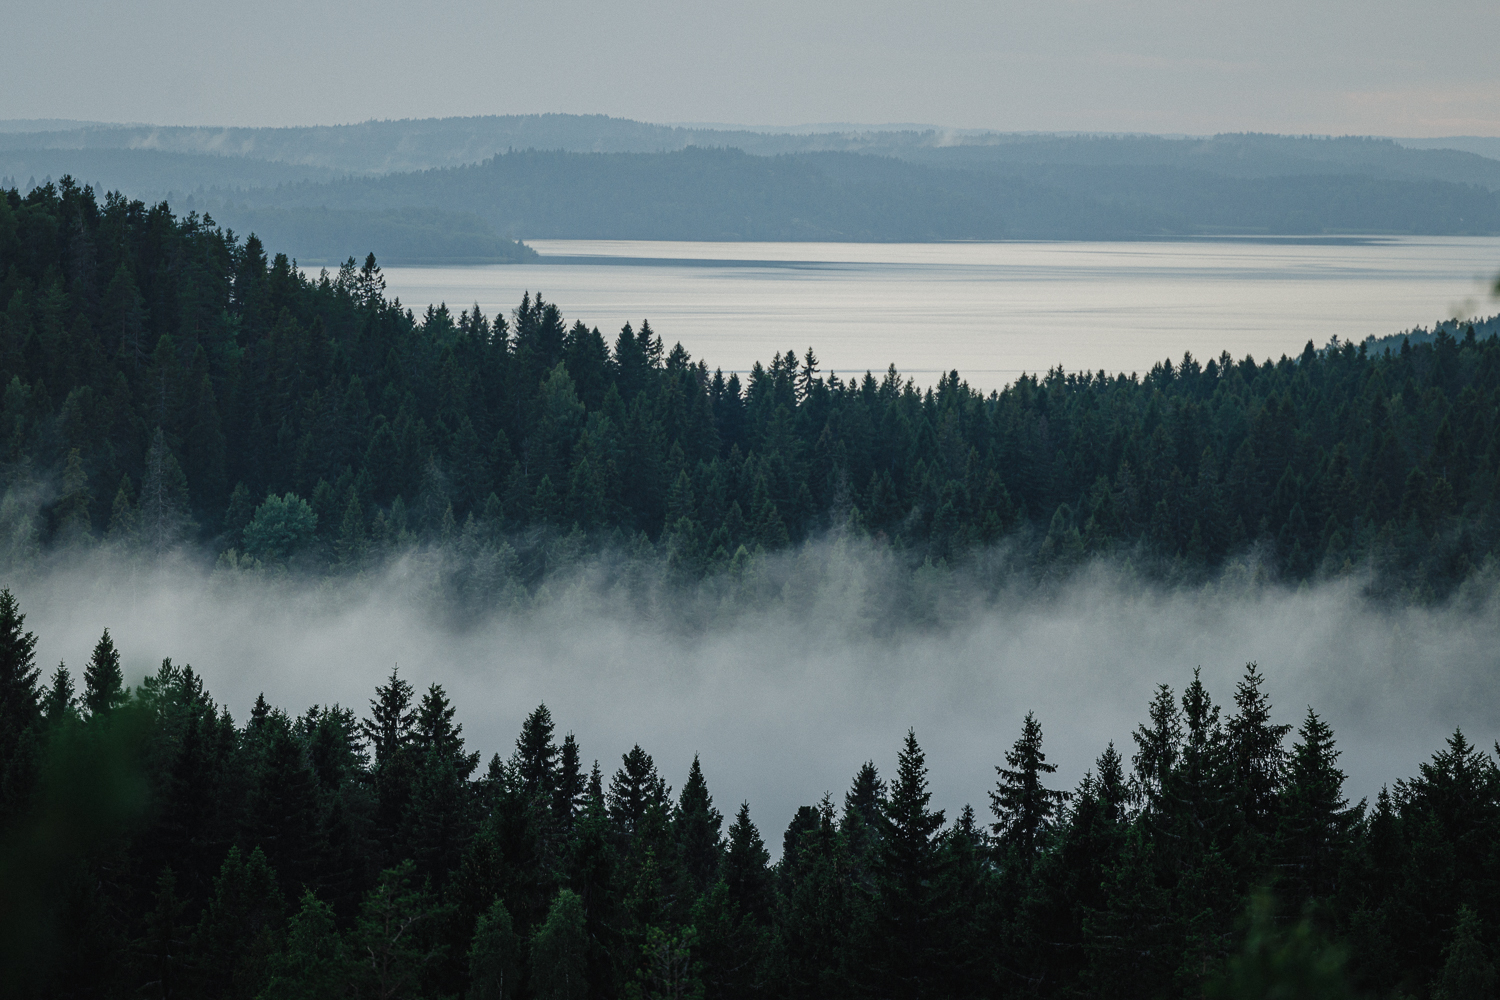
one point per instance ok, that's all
(150, 843)
(169, 384)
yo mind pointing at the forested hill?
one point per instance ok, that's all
(450, 189)
(166, 383)
(151, 845)
(717, 194)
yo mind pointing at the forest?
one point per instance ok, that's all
(152, 846)
(171, 386)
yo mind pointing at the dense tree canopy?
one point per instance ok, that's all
(153, 845)
(166, 383)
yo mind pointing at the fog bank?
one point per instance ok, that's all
(785, 700)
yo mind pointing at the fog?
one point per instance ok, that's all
(784, 698)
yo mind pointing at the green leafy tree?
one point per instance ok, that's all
(395, 941)
(494, 956)
(559, 951)
(282, 527)
(313, 965)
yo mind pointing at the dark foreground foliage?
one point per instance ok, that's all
(166, 383)
(154, 847)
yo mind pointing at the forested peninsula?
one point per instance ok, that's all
(151, 845)
(168, 386)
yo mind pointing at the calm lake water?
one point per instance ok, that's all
(990, 310)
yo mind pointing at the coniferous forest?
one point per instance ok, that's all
(156, 847)
(167, 384)
(170, 388)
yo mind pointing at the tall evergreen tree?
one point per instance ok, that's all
(696, 825)
(20, 709)
(911, 921)
(1024, 808)
(103, 679)
(1316, 825)
(1257, 754)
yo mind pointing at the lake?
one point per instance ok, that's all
(990, 310)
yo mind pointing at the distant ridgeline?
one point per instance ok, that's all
(149, 845)
(479, 182)
(167, 384)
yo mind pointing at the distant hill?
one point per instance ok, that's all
(725, 194)
(591, 176)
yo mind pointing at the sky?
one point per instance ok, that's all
(1167, 66)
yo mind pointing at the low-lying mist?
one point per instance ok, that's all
(784, 697)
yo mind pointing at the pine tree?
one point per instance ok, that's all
(1024, 808)
(58, 702)
(860, 824)
(696, 825)
(20, 710)
(746, 867)
(911, 919)
(103, 679)
(568, 798)
(391, 718)
(1316, 824)
(637, 795)
(535, 760)
(1257, 756)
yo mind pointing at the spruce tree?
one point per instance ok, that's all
(568, 797)
(103, 679)
(20, 710)
(1257, 756)
(860, 823)
(911, 919)
(58, 701)
(1024, 808)
(391, 718)
(696, 825)
(535, 761)
(637, 795)
(396, 939)
(1158, 747)
(1316, 823)
(746, 867)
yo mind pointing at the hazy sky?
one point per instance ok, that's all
(1339, 66)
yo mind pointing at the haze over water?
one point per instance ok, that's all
(990, 310)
